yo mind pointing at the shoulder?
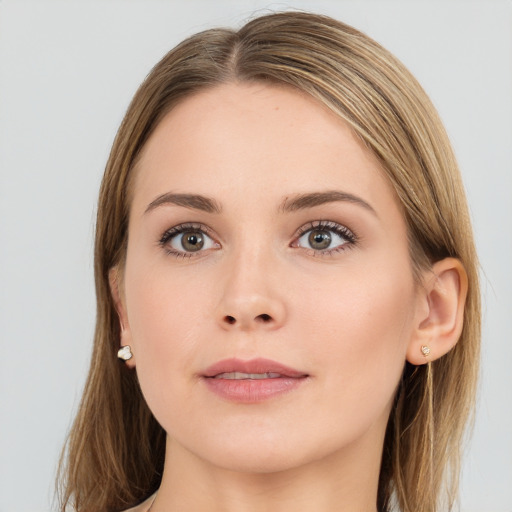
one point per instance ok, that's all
(143, 507)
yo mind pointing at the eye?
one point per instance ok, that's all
(324, 236)
(190, 241)
(186, 239)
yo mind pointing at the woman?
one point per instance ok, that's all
(286, 271)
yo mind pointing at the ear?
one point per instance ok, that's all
(440, 312)
(116, 289)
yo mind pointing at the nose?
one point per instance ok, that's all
(252, 312)
(252, 296)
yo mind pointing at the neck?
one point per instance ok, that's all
(342, 482)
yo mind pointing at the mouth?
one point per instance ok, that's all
(252, 381)
(244, 376)
(259, 368)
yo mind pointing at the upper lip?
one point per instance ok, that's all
(259, 365)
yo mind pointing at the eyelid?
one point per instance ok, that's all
(327, 225)
(185, 226)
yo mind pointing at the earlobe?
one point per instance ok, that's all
(125, 334)
(440, 312)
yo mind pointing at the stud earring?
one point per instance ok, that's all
(425, 350)
(125, 353)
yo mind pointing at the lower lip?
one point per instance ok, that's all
(252, 390)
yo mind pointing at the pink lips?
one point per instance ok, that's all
(265, 379)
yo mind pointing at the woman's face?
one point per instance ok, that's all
(268, 294)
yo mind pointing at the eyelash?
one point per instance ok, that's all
(321, 225)
(327, 225)
(177, 230)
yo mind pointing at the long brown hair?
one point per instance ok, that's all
(115, 449)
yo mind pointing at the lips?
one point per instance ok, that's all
(251, 381)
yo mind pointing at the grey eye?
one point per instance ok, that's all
(319, 239)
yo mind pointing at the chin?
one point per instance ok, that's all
(266, 452)
(259, 460)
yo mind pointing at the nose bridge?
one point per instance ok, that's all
(251, 296)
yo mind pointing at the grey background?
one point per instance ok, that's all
(67, 72)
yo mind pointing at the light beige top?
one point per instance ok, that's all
(144, 506)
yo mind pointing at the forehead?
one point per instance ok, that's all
(255, 139)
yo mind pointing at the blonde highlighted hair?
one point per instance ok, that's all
(115, 451)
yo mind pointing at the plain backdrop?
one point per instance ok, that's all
(67, 72)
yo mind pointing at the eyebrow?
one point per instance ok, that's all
(193, 201)
(304, 201)
(298, 202)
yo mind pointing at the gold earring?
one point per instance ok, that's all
(425, 350)
(125, 353)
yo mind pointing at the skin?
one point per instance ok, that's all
(348, 318)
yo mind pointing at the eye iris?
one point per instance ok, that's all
(192, 241)
(319, 239)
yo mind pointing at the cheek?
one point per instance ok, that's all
(357, 330)
(164, 315)
(163, 304)
(358, 308)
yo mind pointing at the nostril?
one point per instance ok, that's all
(263, 318)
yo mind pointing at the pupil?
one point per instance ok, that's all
(192, 241)
(319, 239)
